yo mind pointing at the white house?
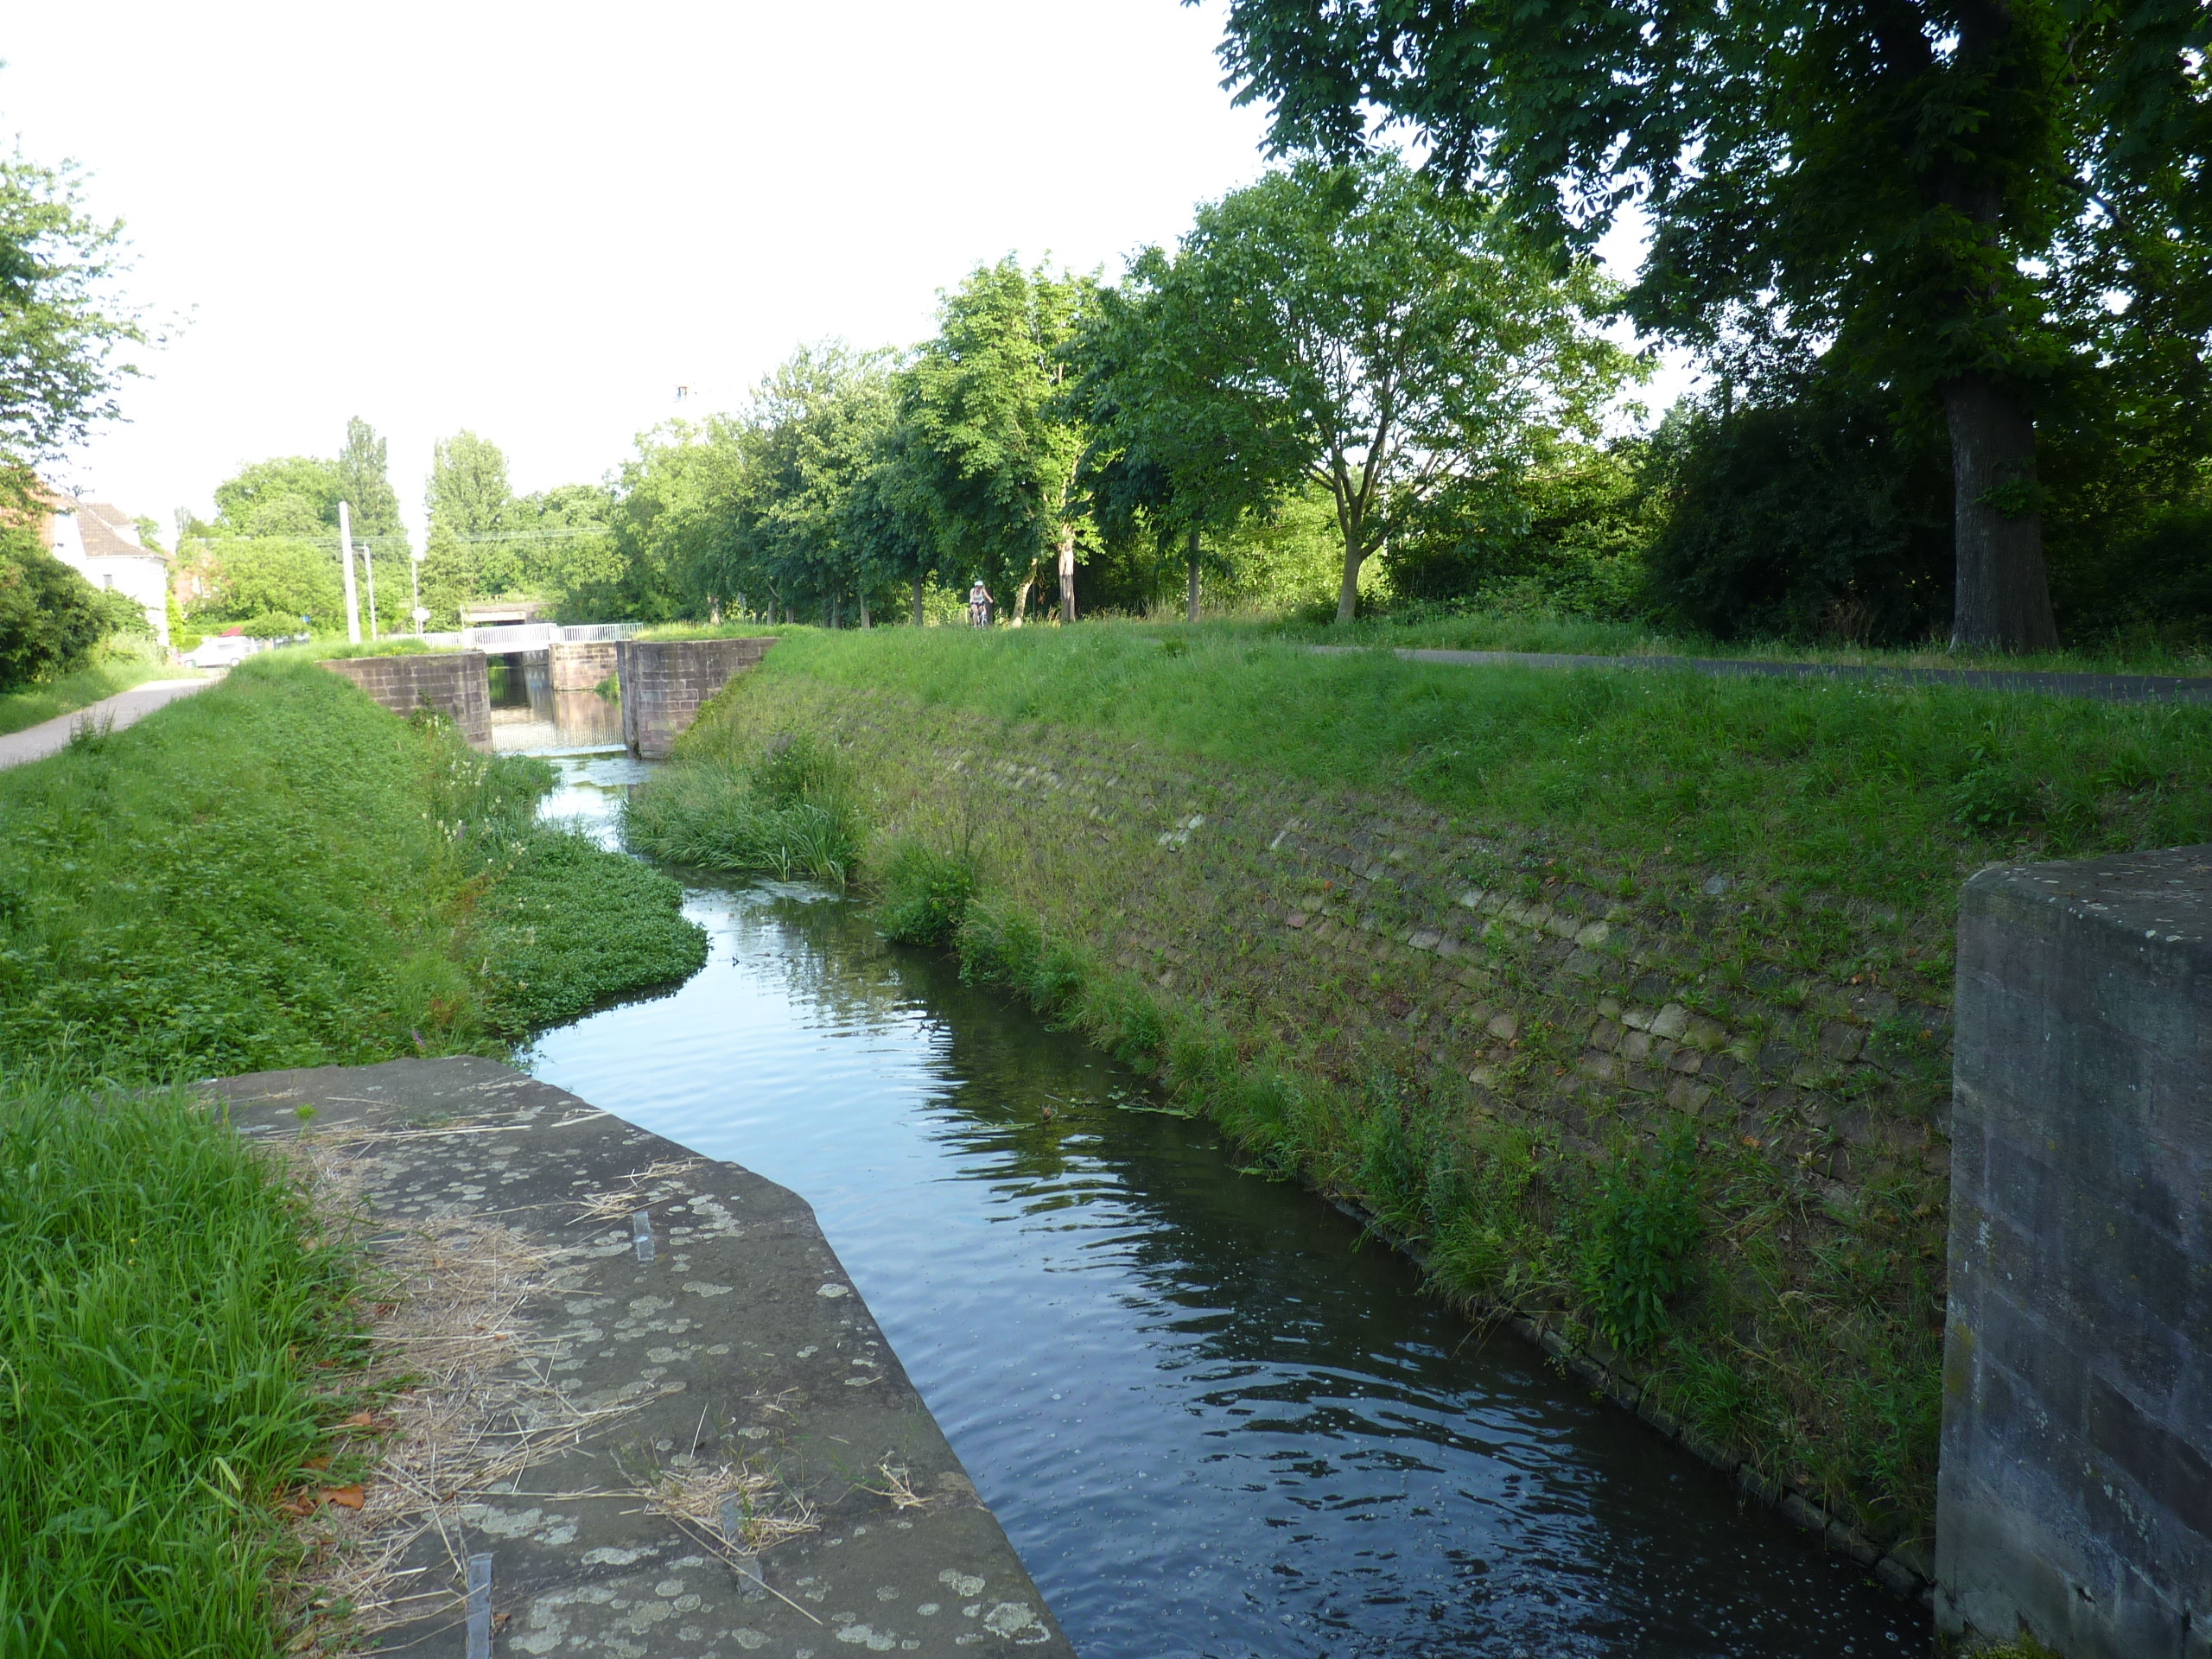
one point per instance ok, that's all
(100, 541)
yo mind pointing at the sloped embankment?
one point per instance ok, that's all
(1680, 1120)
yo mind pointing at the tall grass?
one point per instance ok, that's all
(273, 872)
(173, 1323)
(787, 811)
(276, 872)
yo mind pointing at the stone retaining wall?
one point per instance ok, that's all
(582, 668)
(664, 682)
(1495, 983)
(454, 682)
(2076, 1489)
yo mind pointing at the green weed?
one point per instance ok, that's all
(785, 812)
(174, 1327)
(1643, 1221)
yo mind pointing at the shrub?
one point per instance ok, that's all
(926, 895)
(1800, 517)
(50, 616)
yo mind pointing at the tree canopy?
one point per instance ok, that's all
(65, 338)
(994, 442)
(1353, 325)
(1973, 204)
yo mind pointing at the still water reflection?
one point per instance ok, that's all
(528, 715)
(1211, 1422)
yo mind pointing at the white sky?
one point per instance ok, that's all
(538, 221)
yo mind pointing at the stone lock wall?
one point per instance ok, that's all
(2076, 1494)
(581, 667)
(454, 682)
(666, 681)
(1369, 937)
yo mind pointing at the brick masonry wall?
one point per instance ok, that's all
(454, 682)
(581, 668)
(666, 681)
(2076, 1497)
(1494, 977)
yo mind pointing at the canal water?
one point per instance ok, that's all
(1211, 1421)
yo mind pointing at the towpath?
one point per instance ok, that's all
(123, 708)
(2102, 687)
(638, 1406)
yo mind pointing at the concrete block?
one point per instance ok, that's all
(2074, 1497)
(452, 681)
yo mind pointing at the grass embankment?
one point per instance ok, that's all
(1620, 996)
(273, 872)
(33, 705)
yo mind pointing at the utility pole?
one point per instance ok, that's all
(415, 587)
(369, 564)
(346, 564)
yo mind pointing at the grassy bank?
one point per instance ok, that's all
(274, 872)
(1621, 999)
(33, 705)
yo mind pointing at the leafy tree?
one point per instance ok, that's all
(991, 441)
(467, 555)
(363, 482)
(468, 492)
(664, 515)
(241, 577)
(291, 495)
(1168, 457)
(1977, 205)
(1357, 326)
(784, 521)
(63, 336)
(565, 539)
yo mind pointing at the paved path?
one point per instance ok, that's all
(647, 1413)
(2103, 688)
(124, 709)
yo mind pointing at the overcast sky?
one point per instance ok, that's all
(537, 221)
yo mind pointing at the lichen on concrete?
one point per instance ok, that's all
(708, 1453)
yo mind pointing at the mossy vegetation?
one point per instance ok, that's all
(273, 872)
(1754, 1250)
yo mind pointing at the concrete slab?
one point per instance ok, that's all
(732, 1340)
(124, 709)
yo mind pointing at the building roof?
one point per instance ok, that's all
(106, 530)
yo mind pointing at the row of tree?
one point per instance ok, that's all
(1341, 348)
(1949, 273)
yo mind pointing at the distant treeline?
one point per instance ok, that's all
(1347, 386)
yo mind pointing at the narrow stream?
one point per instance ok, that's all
(1211, 1422)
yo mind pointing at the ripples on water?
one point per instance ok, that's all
(1211, 1423)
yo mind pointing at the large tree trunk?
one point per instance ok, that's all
(918, 601)
(1348, 595)
(1192, 613)
(863, 602)
(2003, 602)
(1021, 596)
(1067, 573)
